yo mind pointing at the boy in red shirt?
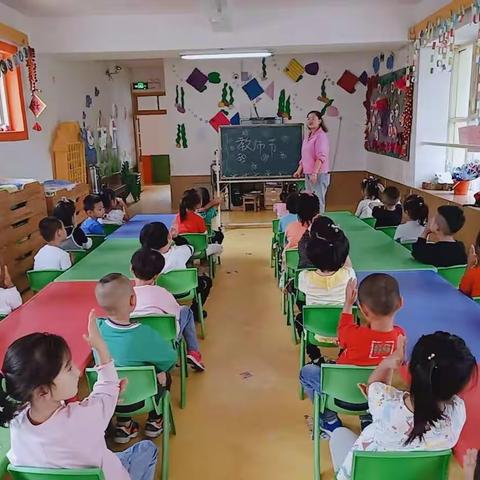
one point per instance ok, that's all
(470, 284)
(378, 300)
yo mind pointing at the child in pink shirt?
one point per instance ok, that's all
(155, 300)
(308, 207)
(46, 432)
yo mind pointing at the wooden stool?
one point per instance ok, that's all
(253, 200)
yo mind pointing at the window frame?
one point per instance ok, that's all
(15, 99)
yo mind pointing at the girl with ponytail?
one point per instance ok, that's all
(429, 416)
(371, 189)
(416, 213)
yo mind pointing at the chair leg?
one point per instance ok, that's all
(200, 316)
(291, 315)
(272, 251)
(211, 266)
(316, 437)
(166, 435)
(183, 375)
(302, 363)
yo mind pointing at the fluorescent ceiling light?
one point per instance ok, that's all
(223, 55)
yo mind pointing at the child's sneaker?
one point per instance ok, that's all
(195, 360)
(154, 428)
(125, 431)
(365, 421)
(329, 427)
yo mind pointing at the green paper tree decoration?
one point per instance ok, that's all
(288, 109)
(227, 96)
(180, 99)
(281, 103)
(176, 95)
(178, 138)
(230, 100)
(184, 136)
(264, 69)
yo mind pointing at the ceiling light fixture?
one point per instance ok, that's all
(224, 55)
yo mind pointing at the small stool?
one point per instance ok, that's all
(250, 201)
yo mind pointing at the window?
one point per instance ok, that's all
(463, 110)
(13, 120)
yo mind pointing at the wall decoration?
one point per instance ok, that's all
(348, 81)
(376, 64)
(270, 90)
(181, 138)
(312, 68)
(218, 120)
(214, 77)
(102, 138)
(227, 96)
(90, 150)
(363, 78)
(112, 130)
(332, 111)
(294, 70)
(253, 89)
(97, 92)
(323, 92)
(264, 69)
(390, 61)
(235, 120)
(284, 105)
(37, 105)
(197, 80)
(389, 115)
(88, 101)
(180, 99)
(245, 76)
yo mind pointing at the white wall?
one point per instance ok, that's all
(203, 139)
(155, 75)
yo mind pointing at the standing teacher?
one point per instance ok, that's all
(314, 163)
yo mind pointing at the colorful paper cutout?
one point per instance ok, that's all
(253, 89)
(270, 90)
(245, 76)
(323, 96)
(363, 78)
(376, 65)
(312, 68)
(97, 92)
(214, 77)
(264, 69)
(180, 99)
(227, 96)
(197, 80)
(294, 70)
(218, 120)
(235, 120)
(284, 108)
(88, 101)
(348, 81)
(181, 138)
(332, 111)
(390, 61)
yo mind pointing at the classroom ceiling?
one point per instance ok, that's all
(57, 8)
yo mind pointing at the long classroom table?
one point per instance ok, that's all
(431, 304)
(372, 249)
(132, 228)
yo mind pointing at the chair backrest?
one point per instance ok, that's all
(179, 282)
(280, 237)
(2, 316)
(453, 274)
(97, 240)
(410, 465)
(109, 228)
(390, 231)
(275, 225)
(164, 325)
(341, 382)
(370, 221)
(199, 241)
(322, 319)
(41, 278)
(476, 299)
(291, 258)
(30, 473)
(77, 255)
(141, 386)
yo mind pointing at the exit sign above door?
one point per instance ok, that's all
(140, 85)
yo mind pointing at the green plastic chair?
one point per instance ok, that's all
(476, 299)
(407, 245)
(370, 221)
(2, 316)
(182, 284)
(453, 274)
(142, 387)
(390, 231)
(166, 327)
(275, 227)
(30, 473)
(300, 185)
(279, 244)
(291, 264)
(109, 228)
(400, 465)
(41, 278)
(338, 382)
(77, 255)
(97, 240)
(199, 242)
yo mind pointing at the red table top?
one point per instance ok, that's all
(61, 308)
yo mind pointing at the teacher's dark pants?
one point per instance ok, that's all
(319, 188)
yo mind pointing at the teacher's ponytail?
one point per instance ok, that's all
(320, 117)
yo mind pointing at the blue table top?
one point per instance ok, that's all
(133, 227)
(431, 304)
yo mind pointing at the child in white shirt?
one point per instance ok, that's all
(51, 256)
(115, 209)
(416, 212)
(371, 189)
(10, 298)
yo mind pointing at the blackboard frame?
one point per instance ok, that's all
(222, 178)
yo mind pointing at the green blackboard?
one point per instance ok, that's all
(255, 151)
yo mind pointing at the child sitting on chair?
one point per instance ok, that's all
(291, 215)
(51, 256)
(447, 251)
(470, 284)
(155, 300)
(416, 212)
(371, 190)
(131, 345)
(115, 208)
(76, 239)
(93, 206)
(308, 207)
(378, 299)
(10, 298)
(209, 212)
(390, 213)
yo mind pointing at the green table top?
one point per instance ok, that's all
(372, 250)
(111, 256)
(4, 448)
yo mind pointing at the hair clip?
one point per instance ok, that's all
(431, 356)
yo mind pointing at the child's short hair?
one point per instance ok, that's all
(380, 293)
(90, 201)
(154, 235)
(391, 196)
(307, 207)
(371, 186)
(416, 209)
(190, 200)
(111, 290)
(204, 195)
(328, 246)
(107, 196)
(147, 263)
(453, 219)
(48, 227)
(292, 202)
(65, 211)
(283, 197)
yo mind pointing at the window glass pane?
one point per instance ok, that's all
(463, 77)
(4, 121)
